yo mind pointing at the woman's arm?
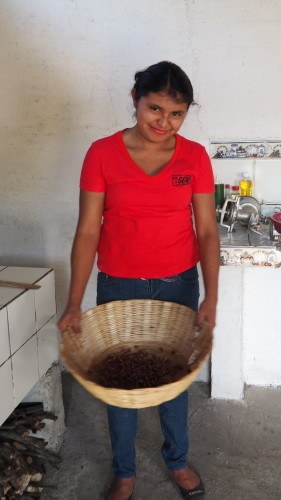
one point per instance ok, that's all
(209, 248)
(83, 255)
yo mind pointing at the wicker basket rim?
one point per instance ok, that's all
(144, 390)
(138, 302)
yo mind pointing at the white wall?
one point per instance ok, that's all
(66, 71)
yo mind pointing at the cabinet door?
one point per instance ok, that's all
(21, 318)
(227, 353)
(45, 300)
(25, 369)
(6, 391)
(48, 349)
(4, 336)
(262, 326)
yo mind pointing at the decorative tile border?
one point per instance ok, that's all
(252, 256)
(245, 149)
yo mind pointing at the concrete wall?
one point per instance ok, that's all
(66, 71)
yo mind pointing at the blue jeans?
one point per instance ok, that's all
(182, 289)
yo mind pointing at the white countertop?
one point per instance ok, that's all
(20, 275)
(246, 248)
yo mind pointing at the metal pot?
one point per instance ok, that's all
(239, 210)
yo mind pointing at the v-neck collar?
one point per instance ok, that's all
(138, 168)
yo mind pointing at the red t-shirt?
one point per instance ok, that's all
(147, 229)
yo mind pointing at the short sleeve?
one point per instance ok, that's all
(204, 180)
(91, 178)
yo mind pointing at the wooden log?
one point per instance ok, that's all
(34, 489)
(19, 446)
(4, 490)
(22, 456)
(27, 408)
(24, 434)
(24, 483)
(6, 454)
(29, 420)
(28, 441)
(11, 474)
(48, 457)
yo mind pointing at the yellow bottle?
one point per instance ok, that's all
(246, 185)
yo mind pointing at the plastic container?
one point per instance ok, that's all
(246, 185)
(234, 192)
(219, 194)
(227, 191)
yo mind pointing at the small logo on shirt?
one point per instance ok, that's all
(181, 180)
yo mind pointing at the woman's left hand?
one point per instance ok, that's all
(209, 250)
(207, 312)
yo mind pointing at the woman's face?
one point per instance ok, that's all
(159, 116)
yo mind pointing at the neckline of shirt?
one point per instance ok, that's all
(138, 168)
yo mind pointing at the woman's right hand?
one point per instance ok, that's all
(70, 319)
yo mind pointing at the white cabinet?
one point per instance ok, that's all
(25, 369)
(45, 300)
(247, 337)
(21, 318)
(48, 348)
(262, 322)
(4, 336)
(227, 355)
(6, 391)
(28, 333)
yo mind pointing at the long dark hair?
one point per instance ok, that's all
(164, 76)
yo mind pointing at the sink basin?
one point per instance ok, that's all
(241, 237)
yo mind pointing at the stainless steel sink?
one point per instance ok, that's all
(241, 237)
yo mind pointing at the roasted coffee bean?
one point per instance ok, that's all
(138, 368)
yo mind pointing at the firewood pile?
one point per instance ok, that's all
(23, 457)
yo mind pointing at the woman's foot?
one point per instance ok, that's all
(121, 488)
(188, 481)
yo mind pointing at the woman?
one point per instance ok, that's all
(140, 189)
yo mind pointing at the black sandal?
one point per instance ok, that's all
(198, 491)
(194, 492)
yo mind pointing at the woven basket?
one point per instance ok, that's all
(143, 323)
